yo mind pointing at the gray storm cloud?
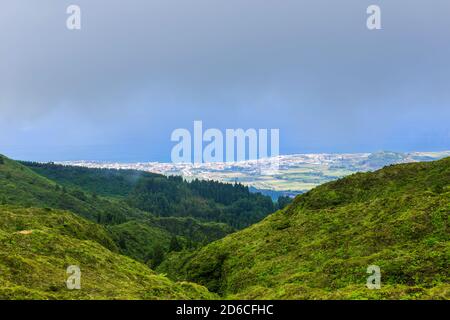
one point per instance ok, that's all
(313, 61)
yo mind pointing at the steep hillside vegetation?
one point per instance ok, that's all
(149, 240)
(37, 246)
(321, 245)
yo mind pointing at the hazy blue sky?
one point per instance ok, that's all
(137, 70)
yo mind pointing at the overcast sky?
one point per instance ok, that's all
(138, 69)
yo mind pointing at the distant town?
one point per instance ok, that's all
(297, 173)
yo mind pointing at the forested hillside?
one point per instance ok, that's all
(320, 246)
(22, 187)
(131, 205)
(164, 196)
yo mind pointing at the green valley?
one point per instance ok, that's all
(140, 221)
(138, 235)
(320, 246)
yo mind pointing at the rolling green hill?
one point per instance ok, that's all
(205, 201)
(103, 182)
(320, 246)
(37, 246)
(21, 186)
(39, 238)
(145, 212)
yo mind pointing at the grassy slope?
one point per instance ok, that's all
(321, 245)
(37, 245)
